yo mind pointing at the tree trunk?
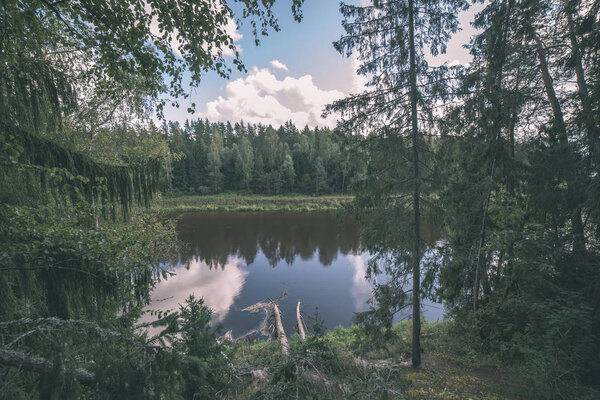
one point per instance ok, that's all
(582, 90)
(482, 232)
(283, 343)
(495, 78)
(577, 232)
(299, 323)
(416, 261)
(511, 151)
(559, 121)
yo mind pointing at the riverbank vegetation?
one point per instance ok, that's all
(503, 153)
(247, 202)
(348, 363)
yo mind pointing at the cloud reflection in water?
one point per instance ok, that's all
(217, 286)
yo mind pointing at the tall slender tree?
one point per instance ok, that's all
(391, 39)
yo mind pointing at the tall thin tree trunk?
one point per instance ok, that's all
(591, 126)
(579, 246)
(496, 77)
(511, 151)
(416, 261)
(557, 113)
(582, 90)
(482, 232)
(511, 139)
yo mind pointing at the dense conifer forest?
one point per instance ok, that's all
(216, 157)
(501, 154)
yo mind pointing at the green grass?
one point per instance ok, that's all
(347, 363)
(239, 202)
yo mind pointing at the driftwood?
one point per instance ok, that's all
(263, 329)
(300, 323)
(283, 343)
(227, 337)
(272, 311)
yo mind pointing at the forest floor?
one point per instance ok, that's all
(347, 363)
(247, 202)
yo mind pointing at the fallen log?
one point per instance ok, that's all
(271, 309)
(227, 337)
(299, 323)
(283, 343)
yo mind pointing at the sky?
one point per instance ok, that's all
(295, 72)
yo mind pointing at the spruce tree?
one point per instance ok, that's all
(390, 39)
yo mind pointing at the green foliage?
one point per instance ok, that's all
(322, 367)
(74, 177)
(258, 159)
(204, 370)
(127, 45)
(55, 264)
(519, 265)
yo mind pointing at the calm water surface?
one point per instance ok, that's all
(234, 260)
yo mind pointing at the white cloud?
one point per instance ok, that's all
(218, 287)
(279, 65)
(262, 98)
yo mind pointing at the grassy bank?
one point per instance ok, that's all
(238, 202)
(345, 363)
(349, 363)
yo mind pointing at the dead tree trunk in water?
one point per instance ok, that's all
(271, 309)
(299, 323)
(283, 343)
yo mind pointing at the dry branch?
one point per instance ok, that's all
(36, 364)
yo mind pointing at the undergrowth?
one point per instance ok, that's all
(347, 364)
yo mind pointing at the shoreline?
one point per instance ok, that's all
(240, 202)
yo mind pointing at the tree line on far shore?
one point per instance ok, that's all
(212, 157)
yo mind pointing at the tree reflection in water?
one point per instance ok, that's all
(213, 237)
(234, 260)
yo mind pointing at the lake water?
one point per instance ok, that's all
(234, 260)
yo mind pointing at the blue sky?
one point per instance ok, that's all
(310, 72)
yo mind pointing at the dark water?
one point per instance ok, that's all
(234, 260)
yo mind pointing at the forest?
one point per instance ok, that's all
(501, 154)
(217, 157)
